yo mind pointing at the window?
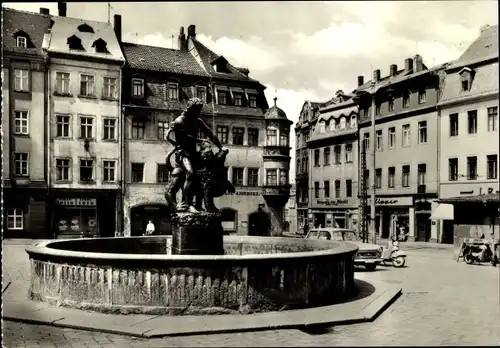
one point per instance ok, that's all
(162, 173)
(62, 126)
(492, 119)
(472, 121)
(87, 85)
(465, 85)
(222, 134)
(21, 81)
(366, 142)
(422, 169)
(378, 178)
(109, 88)
(201, 92)
(238, 99)
(353, 122)
(406, 100)
(253, 137)
(406, 135)
(406, 176)
(22, 41)
(21, 164)
(421, 96)
(338, 152)
(137, 88)
(379, 140)
(283, 177)
(391, 177)
(162, 130)
(453, 125)
(422, 132)
(492, 166)
(86, 124)
(62, 83)
(316, 158)
(109, 129)
(337, 188)
(392, 137)
(342, 123)
(21, 122)
(253, 177)
(62, 167)
(271, 177)
(453, 169)
(237, 176)
(252, 101)
(348, 153)
(326, 188)
(108, 171)
(272, 137)
(377, 109)
(138, 130)
(316, 189)
(326, 156)
(86, 169)
(391, 104)
(283, 139)
(472, 168)
(137, 172)
(15, 219)
(172, 91)
(238, 133)
(222, 98)
(348, 188)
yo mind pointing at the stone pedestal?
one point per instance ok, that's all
(197, 234)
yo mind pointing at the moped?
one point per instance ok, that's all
(394, 255)
(479, 253)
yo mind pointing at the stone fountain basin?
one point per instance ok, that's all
(132, 275)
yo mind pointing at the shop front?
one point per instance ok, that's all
(394, 215)
(84, 215)
(338, 213)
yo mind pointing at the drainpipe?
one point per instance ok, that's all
(121, 143)
(48, 124)
(46, 135)
(439, 223)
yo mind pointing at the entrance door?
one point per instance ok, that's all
(423, 227)
(319, 220)
(156, 213)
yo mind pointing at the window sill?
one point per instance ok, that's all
(58, 94)
(63, 181)
(87, 96)
(109, 98)
(20, 91)
(110, 140)
(87, 182)
(15, 229)
(21, 135)
(114, 182)
(63, 138)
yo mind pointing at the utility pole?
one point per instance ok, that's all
(372, 176)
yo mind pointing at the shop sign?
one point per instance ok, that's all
(245, 193)
(333, 202)
(393, 201)
(77, 202)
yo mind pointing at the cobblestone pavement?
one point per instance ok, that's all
(443, 303)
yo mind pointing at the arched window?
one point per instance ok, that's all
(353, 121)
(322, 126)
(342, 123)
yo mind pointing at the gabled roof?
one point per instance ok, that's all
(207, 57)
(161, 59)
(484, 47)
(33, 24)
(65, 27)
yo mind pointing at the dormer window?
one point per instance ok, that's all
(100, 46)
(172, 91)
(466, 79)
(137, 88)
(220, 65)
(238, 99)
(252, 101)
(353, 121)
(342, 123)
(85, 28)
(465, 86)
(22, 41)
(201, 92)
(322, 127)
(75, 43)
(222, 98)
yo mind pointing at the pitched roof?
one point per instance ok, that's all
(484, 47)
(207, 57)
(161, 59)
(33, 24)
(65, 27)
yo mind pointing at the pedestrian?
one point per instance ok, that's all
(150, 228)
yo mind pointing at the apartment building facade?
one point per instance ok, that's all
(469, 142)
(333, 174)
(83, 130)
(24, 115)
(406, 144)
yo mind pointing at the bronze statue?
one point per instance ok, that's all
(194, 171)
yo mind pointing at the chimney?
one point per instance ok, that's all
(44, 11)
(483, 28)
(408, 65)
(63, 7)
(118, 27)
(182, 40)
(192, 31)
(376, 75)
(393, 70)
(361, 80)
(418, 63)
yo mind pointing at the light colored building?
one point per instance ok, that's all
(333, 172)
(24, 115)
(84, 129)
(290, 212)
(406, 174)
(469, 141)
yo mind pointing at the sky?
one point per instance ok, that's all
(303, 50)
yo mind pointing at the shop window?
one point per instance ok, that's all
(15, 220)
(76, 216)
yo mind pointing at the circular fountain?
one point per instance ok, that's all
(140, 275)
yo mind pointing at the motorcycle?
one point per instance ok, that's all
(479, 253)
(394, 255)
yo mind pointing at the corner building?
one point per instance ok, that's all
(157, 83)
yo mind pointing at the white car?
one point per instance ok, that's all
(368, 255)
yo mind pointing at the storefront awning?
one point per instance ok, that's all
(443, 212)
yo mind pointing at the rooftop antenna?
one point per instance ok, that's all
(109, 12)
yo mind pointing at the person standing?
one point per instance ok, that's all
(150, 228)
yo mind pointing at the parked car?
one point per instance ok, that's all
(368, 255)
